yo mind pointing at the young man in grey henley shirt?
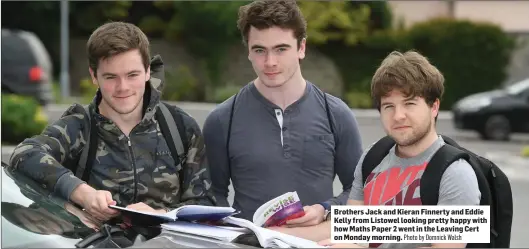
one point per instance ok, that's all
(281, 138)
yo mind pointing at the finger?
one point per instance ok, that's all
(108, 197)
(94, 213)
(110, 201)
(305, 218)
(103, 208)
(137, 206)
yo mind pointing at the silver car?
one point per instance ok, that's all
(32, 218)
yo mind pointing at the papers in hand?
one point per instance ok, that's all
(227, 234)
(270, 238)
(267, 238)
(188, 213)
(279, 210)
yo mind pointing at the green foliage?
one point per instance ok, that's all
(88, 90)
(381, 16)
(360, 100)
(87, 16)
(22, 117)
(225, 92)
(358, 63)
(207, 29)
(180, 85)
(525, 151)
(335, 21)
(472, 56)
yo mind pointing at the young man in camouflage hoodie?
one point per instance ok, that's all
(133, 165)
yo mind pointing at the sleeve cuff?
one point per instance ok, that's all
(66, 185)
(326, 205)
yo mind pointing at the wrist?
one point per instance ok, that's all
(81, 193)
(326, 210)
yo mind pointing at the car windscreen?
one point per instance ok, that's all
(30, 218)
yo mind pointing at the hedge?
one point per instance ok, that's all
(22, 117)
(472, 56)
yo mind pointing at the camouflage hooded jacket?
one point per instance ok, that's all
(138, 168)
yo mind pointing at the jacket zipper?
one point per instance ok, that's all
(134, 167)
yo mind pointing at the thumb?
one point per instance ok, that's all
(300, 220)
(108, 197)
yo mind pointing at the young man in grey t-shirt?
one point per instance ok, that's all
(407, 90)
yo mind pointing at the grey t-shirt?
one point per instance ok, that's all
(274, 151)
(396, 181)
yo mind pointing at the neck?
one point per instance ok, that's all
(418, 147)
(285, 95)
(125, 122)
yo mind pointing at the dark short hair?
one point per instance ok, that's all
(264, 14)
(409, 72)
(114, 38)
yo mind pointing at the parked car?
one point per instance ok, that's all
(495, 114)
(32, 218)
(26, 66)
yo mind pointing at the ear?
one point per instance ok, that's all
(302, 49)
(148, 74)
(93, 76)
(435, 108)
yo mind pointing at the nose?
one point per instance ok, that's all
(400, 113)
(271, 60)
(121, 85)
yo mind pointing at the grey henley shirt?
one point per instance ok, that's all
(274, 151)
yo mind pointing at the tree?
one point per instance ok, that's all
(335, 21)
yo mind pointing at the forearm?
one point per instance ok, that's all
(340, 199)
(37, 159)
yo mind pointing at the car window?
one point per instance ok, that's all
(518, 88)
(39, 51)
(15, 50)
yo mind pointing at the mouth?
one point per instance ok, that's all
(401, 127)
(123, 97)
(271, 74)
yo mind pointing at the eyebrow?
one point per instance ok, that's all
(282, 45)
(130, 72)
(411, 98)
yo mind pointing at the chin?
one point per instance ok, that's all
(273, 83)
(124, 108)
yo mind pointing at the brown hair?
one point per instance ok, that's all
(114, 38)
(263, 14)
(410, 73)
